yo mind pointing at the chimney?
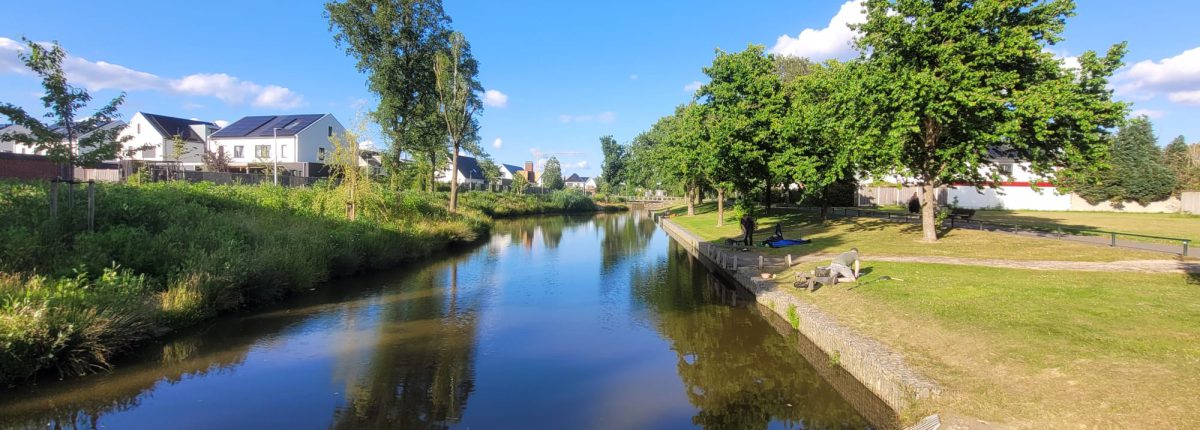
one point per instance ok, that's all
(529, 171)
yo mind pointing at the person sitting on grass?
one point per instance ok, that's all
(846, 265)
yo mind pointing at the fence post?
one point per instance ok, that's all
(54, 198)
(760, 263)
(789, 260)
(1185, 247)
(91, 206)
(1114, 238)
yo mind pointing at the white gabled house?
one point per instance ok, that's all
(20, 148)
(152, 138)
(467, 173)
(589, 184)
(288, 139)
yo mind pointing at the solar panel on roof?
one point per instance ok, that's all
(244, 126)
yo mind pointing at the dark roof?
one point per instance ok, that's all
(264, 126)
(574, 178)
(512, 169)
(583, 179)
(469, 167)
(170, 126)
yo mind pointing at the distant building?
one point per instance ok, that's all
(574, 181)
(19, 148)
(299, 143)
(468, 172)
(589, 184)
(508, 172)
(151, 138)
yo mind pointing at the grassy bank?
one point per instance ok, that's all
(1025, 348)
(167, 255)
(880, 237)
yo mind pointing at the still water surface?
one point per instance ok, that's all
(556, 323)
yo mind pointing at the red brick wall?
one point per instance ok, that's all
(26, 166)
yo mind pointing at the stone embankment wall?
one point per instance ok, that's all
(881, 370)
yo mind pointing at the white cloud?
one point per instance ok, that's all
(498, 143)
(582, 165)
(1150, 113)
(693, 86)
(1178, 77)
(604, 117)
(367, 144)
(221, 123)
(100, 75)
(495, 98)
(833, 41)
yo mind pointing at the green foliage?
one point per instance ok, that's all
(458, 90)
(613, 170)
(1137, 171)
(552, 178)
(68, 139)
(519, 183)
(187, 252)
(793, 317)
(396, 43)
(1178, 158)
(946, 83)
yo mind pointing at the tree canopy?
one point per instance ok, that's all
(613, 168)
(949, 82)
(1136, 173)
(552, 178)
(70, 138)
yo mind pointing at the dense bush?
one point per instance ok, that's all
(165, 255)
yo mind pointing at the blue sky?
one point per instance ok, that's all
(562, 73)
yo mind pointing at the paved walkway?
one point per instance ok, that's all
(750, 258)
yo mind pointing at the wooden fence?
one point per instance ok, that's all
(891, 196)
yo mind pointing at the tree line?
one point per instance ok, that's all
(938, 90)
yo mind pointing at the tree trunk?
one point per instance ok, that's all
(929, 211)
(720, 207)
(691, 202)
(454, 180)
(767, 196)
(432, 172)
(824, 211)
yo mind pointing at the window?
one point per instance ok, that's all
(1005, 169)
(150, 152)
(321, 151)
(239, 151)
(262, 151)
(139, 129)
(283, 152)
(331, 131)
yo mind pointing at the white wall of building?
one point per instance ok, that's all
(248, 152)
(1019, 197)
(156, 146)
(314, 137)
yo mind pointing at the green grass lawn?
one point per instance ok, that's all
(872, 236)
(1045, 349)
(1181, 226)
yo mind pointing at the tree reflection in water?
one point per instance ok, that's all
(738, 371)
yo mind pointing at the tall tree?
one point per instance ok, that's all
(951, 81)
(613, 169)
(396, 43)
(1136, 171)
(458, 101)
(819, 132)
(69, 139)
(744, 102)
(552, 178)
(1177, 157)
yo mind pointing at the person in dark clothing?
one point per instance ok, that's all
(748, 230)
(914, 204)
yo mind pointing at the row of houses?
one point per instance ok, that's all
(299, 144)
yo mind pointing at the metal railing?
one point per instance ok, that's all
(1174, 245)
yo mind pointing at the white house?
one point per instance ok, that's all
(468, 172)
(152, 138)
(287, 139)
(589, 184)
(508, 172)
(574, 181)
(9, 145)
(1016, 192)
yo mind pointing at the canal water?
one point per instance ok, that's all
(559, 322)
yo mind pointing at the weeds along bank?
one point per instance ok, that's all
(167, 255)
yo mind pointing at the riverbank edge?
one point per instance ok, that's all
(876, 366)
(160, 330)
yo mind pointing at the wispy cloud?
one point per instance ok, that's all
(498, 143)
(100, 75)
(495, 98)
(1149, 113)
(603, 117)
(833, 41)
(1176, 77)
(693, 86)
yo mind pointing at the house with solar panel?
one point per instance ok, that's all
(152, 136)
(298, 143)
